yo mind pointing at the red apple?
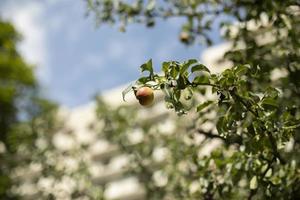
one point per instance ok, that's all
(145, 96)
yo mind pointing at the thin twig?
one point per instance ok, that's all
(211, 135)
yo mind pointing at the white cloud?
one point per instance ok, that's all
(26, 16)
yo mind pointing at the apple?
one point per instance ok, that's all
(184, 37)
(145, 96)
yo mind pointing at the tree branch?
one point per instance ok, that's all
(211, 135)
(251, 194)
(269, 134)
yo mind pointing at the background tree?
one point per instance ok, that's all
(17, 81)
(31, 165)
(248, 115)
(17, 84)
(255, 114)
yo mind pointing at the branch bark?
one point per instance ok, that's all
(211, 135)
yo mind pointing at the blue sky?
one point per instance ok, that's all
(75, 60)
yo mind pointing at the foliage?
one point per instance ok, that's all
(255, 113)
(31, 165)
(237, 136)
(17, 82)
(256, 123)
(200, 16)
(47, 170)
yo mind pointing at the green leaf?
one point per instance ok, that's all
(191, 61)
(271, 92)
(200, 67)
(269, 173)
(204, 105)
(147, 67)
(181, 83)
(165, 67)
(177, 94)
(143, 80)
(221, 124)
(201, 80)
(187, 64)
(253, 183)
(229, 81)
(269, 101)
(184, 68)
(241, 70)
(174, 70)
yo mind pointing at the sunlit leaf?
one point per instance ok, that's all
(199, 67)
(147, 67)
(204, 105)
(253, 183)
